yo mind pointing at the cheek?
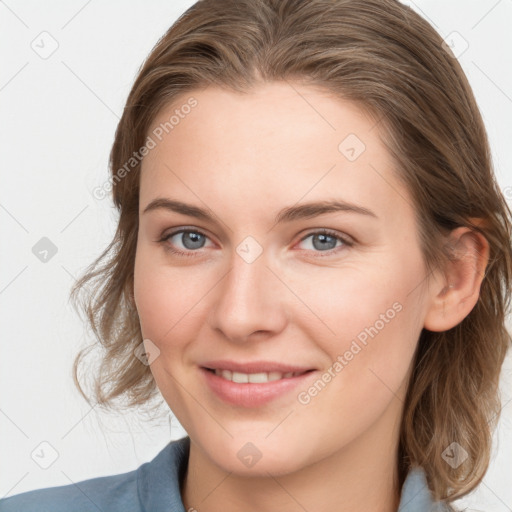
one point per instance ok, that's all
(146, 296)
(368, 373)
(168, 301)
(162, 310)
(152, 298)
(373, 302)
(377, 332)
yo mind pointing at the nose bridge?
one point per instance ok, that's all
(248, 299)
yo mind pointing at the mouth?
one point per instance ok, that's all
(254, 378)
(250, 390)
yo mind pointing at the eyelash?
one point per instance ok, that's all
(191, 253)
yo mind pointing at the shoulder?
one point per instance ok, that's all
(113, 493)
(148, 487)
(417, 497)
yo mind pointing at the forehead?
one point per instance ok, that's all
(277, 145)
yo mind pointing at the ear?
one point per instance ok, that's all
(454, 295)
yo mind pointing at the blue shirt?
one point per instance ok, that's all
(155, 487)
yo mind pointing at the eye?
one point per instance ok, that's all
(325, 241)
(190, 239)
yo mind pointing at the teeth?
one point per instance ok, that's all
(239, 377)
(255, 378)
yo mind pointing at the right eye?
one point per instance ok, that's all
(191, 240)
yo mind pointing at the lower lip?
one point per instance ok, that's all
(251, 394)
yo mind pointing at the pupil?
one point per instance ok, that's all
(323, 239)
(196, 239)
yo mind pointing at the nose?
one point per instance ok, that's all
(249, 301)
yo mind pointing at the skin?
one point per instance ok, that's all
(244, 157)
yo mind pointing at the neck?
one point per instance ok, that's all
(359, 477)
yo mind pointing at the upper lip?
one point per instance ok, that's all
(255, 366)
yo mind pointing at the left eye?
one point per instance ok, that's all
(325, 241)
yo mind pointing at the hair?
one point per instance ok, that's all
(386, 59)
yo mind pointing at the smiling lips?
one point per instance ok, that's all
(254, 372)
(252, 384)
(254, 378)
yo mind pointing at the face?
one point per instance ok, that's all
(335, 293)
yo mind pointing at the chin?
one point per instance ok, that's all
(267, 461)
(254, 455)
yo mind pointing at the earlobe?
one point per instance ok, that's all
(454, 296)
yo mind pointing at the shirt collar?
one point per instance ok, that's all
(158, 483)
(416, 495)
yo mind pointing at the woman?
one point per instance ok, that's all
(312, 265)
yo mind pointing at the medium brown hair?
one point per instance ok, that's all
(389, 61)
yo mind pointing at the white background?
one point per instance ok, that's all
(59, 115)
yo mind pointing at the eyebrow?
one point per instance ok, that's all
(288, 214)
